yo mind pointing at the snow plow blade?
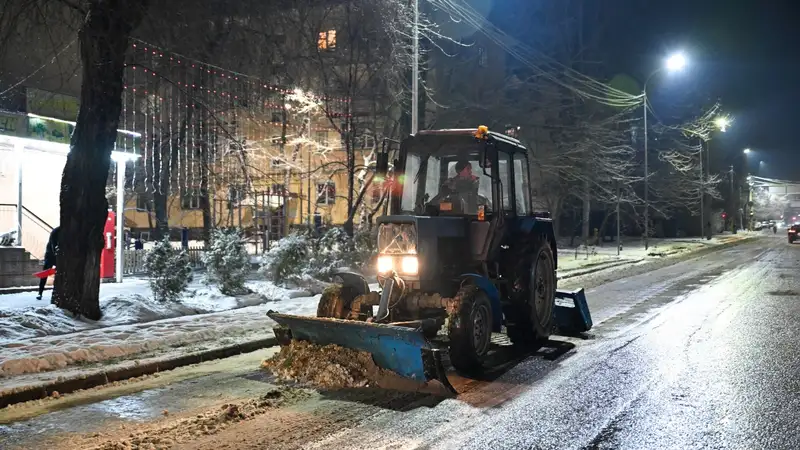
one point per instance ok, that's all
(572, 312)
(403, 350)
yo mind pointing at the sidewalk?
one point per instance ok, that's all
(48, 359)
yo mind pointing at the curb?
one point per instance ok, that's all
(37, 392)
(21, 289)
(598, 268)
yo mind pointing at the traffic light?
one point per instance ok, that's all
(724, 215)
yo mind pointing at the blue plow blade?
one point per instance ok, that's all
(572, 312)
(402, 350)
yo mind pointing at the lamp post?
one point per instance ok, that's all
(674, 63)
(121, 159)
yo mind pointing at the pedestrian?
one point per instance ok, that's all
(50, 253)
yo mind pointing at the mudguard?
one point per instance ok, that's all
(353, 280)
(402, 350)
(490, 289)
(572, 312)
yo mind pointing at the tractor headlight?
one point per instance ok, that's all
(385, 264)
(409, 265)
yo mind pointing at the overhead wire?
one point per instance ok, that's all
(576, 82)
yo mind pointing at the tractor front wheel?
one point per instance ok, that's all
(470, 329)
(536, 281)
(336, 300)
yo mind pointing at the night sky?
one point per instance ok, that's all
(742, 52)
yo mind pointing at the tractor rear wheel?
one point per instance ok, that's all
(470, 329)
(336, 300)
(536, 281)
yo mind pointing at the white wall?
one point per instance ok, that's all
(41, 181)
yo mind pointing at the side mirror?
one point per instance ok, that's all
(486, 159)
(382, 164)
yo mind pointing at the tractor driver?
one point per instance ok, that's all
(465, 186)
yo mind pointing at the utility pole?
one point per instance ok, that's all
(702, 193)
(415, 73)
(733, 205)
(619, 243)
(646, 184)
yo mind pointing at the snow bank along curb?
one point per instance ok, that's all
(598, 268)
(680, 257)
(126, 371)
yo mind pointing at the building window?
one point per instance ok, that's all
(368, 142)
(322, 138)
(277, 189)
(277, 117)
(327, 40)
(326, 193)
(190, 199)
(143, 202)
(483, 57)
(235, 195)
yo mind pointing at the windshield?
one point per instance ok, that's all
(449, 176)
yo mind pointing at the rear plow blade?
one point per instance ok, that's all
(405, 351)
(572, 312)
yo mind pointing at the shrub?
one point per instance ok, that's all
(227, 261)
(287, 259)
(169, 271)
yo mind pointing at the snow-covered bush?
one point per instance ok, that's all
(304, 255)
(331, 251)
(169, 271)
(365, 246)
(227, 261)
(287, 259)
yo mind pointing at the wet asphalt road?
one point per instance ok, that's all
(701, 354)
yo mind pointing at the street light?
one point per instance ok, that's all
(722, 122)
(122, 159)
(674, 63)
(746, 151)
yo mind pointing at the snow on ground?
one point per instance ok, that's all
(23, 317)
(135, 341)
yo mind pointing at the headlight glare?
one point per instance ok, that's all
(384, 264)
(410, 265)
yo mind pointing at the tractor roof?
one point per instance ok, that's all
(508, 144)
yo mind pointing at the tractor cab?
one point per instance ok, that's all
(457, 196)
(461, 173)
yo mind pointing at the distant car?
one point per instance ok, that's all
(793, 232)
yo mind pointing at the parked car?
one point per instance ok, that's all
(793, 231)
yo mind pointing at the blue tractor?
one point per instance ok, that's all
(461, 256)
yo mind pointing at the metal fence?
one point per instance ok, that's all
(133, 264)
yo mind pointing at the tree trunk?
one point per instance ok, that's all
(103, 43)
(351, 177)
(161, 192)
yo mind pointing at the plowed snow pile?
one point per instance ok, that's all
(171, 432)
(329, 366)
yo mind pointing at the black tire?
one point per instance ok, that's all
(534, 313)
(470, 329)
(336, 300)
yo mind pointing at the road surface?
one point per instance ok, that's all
(701, 354)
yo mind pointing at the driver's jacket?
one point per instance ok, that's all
(467, 191)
